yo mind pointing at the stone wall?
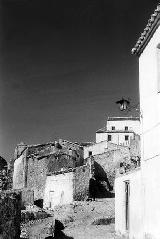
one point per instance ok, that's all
(10, 215)
(81, 182)
(36, 176)
(106, 164)
(34, 162)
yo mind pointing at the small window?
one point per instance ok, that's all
(158, 68)
(126, 137)
(126, 128)
(90, 153)
(109, 137)
(113, 127)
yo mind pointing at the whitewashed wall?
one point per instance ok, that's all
(150, 110)
(133, 125)
(101, 137)
(58, 190)
(135, 205)
(19, 173)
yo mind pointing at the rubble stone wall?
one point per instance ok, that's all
(36, 176)
(10, 215)
(81, 182)
(106, 164)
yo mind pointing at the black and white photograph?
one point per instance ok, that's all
(79, 119)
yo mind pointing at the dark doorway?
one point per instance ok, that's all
(127, 194)
(39, 203)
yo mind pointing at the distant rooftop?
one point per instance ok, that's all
(122, 118)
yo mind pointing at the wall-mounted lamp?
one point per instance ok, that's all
(124, 104)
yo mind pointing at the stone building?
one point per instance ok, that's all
(137, 207)
(33, 163)
(67, 186)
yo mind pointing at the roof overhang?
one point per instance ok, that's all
(148, 32)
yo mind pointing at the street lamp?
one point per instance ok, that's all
(124, 104)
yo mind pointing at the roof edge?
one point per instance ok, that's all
(148, 32)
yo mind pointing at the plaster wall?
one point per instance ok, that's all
(150, 98)
(58, 190)
(151, 181)
(119, 138)
(133, 125)
(116, 137)
(19, 172)
(101, 137)
(150, 138)
(135, 205)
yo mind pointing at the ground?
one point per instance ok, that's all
(81, 220)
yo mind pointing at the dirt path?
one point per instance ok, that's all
(91, 232)
(88, 220)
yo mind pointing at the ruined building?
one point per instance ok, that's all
(50, 172)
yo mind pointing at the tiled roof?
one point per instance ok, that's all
(146, 35)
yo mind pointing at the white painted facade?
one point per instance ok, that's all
(146, 198)
(119, 130)
(117, 137)
(150, 109)
(120, 123)
(135, 219)
(58, 190)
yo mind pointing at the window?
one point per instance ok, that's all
(126, 137)
(113, 127)
(90, 153)
(126, 128)
(109, 137)
(158, 68)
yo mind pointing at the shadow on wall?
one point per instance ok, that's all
(99, 186)
(58, 234)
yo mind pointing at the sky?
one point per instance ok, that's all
(63, 65)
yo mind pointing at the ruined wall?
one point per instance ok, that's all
(106, 164)
(36, 176)
(81, 182)
(10, 215)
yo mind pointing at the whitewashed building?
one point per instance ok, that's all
(119, 130)
(137, 206)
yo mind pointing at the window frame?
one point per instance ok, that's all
(109, 137)
(126, 136)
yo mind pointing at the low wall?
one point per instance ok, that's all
(10, 215)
